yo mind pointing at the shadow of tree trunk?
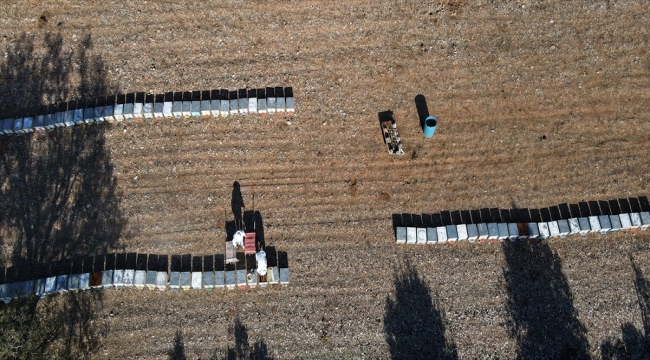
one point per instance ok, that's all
(242, 349)
(178, 352)
(58, 194)
(543, 319)
(633, 343)
(414, 326)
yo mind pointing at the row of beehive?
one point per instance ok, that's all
(140, 106)
(149, 279)
(522, 231)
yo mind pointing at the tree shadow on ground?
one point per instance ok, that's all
(178, 351)
(62, 326)
(543, 319)
(242, 349)
(58, 195)
(237, 205)
(633, 343)
(414, 326)
(58, 192)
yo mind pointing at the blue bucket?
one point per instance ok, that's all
(430, 126)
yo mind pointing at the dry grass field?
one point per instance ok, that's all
(539, 103)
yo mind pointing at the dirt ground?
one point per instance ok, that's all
(539, 103)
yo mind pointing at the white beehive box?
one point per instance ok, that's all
(150, 280)
(411, 235)
(442, 234)
(251, 278)
(553, 229)
(615, 220)
(574, 226)
(273, 275)
(84, 281)
(284, 276)
(605, 224)
(472, 233)
(252, 105)
(186, 280)
(118, 278)
(161, 280)
(400, 234)
(208, 280)
(197, 280)
(635, 219)
(432, 236)
(421, 234)
(290, 104)
(585, 225)
(138, 106)
(513, 231)
(493, 231)
(279, 105)
(270, 105)
(461, 230)
(594, 224)
(626, 223)
(139, 279)
(261, 106)
(219, 279)
(73, 282)
(129, 276)
(544, 233)
(175, 280)
(483, 232)
(167, 109)
(645, 220)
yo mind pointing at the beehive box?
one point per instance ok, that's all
(645, 220)
(89, 115)
(411, 235)
(208, 280)
(461, 230)
(62, 283)
(251, 278)
(28, 287)
(78, 116)
(49, 122)
(215, 103)
(605, 224)
(442, 234)
(234, 106)
(5, 293)
(523, 231)
(240, 278)
(284, 276)
(39, 287)
(261, 106)
(243, 102)
(452, 234)
(626, 223)
(563, 226)
(107, 278)
(472, 233)
(544, 232)
(127, 280)
(175, 280)
(421, 235)
(8, 126)
(73, 282)
(574, 226)
(177, 105)
(594, 224)
(279, 105)
(150, 279)
(205, 104)
(186, 280)
(16, 289)
(159, 106)
(18, 126)
(28, 124)
(138, 106)
(197, 280)
(553, 229)
(39, 122)
(493, 231)
(96, 279)
(230, 279)
(483, 232)
(168, 105)
(432, 236)
(109, 113)
(635, 219)
(186, 105)
(225, 106)
(503, 231)
(118, 278)
(219, 279)
(273, 275)
(161, 280)
(140, 279)
(148, 108)
(400, 234)
(129, 107)
(50, 285)
(118, 111)
(615, 220)
(252, 101)
(196, 104)
(513, 231)
(84, 281)
(585, 225)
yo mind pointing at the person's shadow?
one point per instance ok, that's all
(237, 204)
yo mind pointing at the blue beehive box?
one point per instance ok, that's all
(78, 116)
(493, 231)
(452, 234)
(84, 281)
(432, 236)
(89, 115)
(18, 127)
(28, 287)
(39, 287)
(129, 105)
(284, 276)
(175, 280)
(533, 230)
(159, 107)
(513, 231)
(206, 109)
(208, 280)
(62, 283)
(49, 122)
(483, 232)
(626, 223)
(138, 106)
(502, 228)
(219, 280)
(161, 280)
(605, 224)
(107, 278)
(645, 220)
(564, 228)
(73, 282)
(150, 280)
(28, 124)
(225, 103)
(240, 279)
(585, 225)
(187, 104)
(140, 279)
(230, 279)
(148, 107)
(615, 220)
(442, 234)
(186, 280)
(195, 105)
(472, 232)
(8, 126)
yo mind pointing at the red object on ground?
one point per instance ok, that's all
(249, 244)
